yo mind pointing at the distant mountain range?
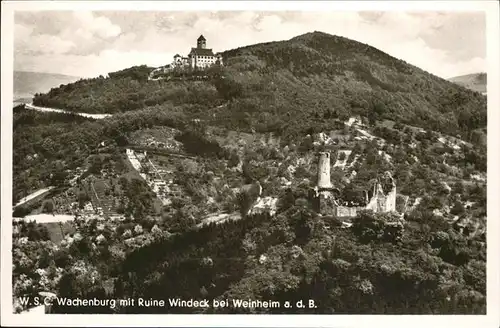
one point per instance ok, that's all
(476, 81)
(26, 84)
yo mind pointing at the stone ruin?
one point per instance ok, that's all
(324, 181)
(382, 198)
(384, 195)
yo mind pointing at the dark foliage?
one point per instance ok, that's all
(301, 81)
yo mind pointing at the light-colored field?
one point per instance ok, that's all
(47, 218)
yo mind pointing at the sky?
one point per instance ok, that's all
(88, 44)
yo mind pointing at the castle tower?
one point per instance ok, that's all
(324, 181)
(201, 42)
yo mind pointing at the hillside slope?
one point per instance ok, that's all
(205, 138)
(305, 81)
(476, 82)
(438, 262)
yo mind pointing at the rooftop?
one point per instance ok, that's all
(201, 52)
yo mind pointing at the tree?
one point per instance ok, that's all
(48, 206)
(58, 178)
(245, 202)
(228, 87)
(82, 198)
(21, 211)
(370, 226)
(62, 258)
(95, 165)
(181, 221)
(234, 159)
(457, 209)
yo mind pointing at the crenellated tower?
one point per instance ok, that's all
(201, 42)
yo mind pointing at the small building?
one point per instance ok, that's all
(181, 61)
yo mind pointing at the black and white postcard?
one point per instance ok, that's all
(264, 160)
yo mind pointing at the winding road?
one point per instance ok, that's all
(47, 109)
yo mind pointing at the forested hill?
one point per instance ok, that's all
(305, 81)
(476, 82)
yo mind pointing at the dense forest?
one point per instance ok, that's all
(293, 256)
(261, 120)
(430, 267)
(342, 272)
(305, 80)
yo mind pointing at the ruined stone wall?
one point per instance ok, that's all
(381, 202)
(348, 211)
(374, 201)
(327, 203)
(390, 201)
(324, 170)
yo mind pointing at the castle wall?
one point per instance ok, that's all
(348, 211)
(327, 204)
(390, 201)
(325, 201)
(373, 204)
(381, 202)
(324, 171)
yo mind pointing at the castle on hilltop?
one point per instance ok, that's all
(199, 57)
(326, 196)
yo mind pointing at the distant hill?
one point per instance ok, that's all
(476, 81)
(290, 87)
(26, 84)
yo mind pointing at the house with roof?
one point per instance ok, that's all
(181, 61)
(199, 57)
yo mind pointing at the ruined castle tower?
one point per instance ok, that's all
(324, 171)
(324, 198)
(383, 198)
(383, 201)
